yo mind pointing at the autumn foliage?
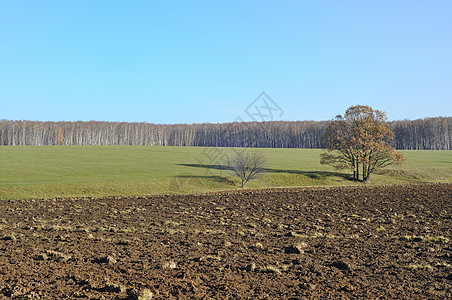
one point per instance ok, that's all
(360, 141)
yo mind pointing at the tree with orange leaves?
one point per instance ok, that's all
(360, 141)
(60, 136)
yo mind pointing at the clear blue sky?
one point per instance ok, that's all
(206, 61)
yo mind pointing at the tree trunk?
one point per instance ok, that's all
(357, 172)
(364, 173)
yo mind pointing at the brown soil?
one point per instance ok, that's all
(341, 242)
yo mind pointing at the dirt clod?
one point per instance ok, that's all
(292, 250)
(105, 260)
(341, 265)
(251, 267)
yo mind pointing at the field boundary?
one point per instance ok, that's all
(248, 191)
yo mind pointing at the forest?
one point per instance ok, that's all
(421, 134)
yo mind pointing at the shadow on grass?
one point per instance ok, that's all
(311, 174)
(216, 167)
(213, 178)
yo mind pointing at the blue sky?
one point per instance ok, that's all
(206, 61)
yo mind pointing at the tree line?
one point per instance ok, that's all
(422, 134)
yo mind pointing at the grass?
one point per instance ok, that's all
(67, 171)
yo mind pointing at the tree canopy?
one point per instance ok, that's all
(360, 141)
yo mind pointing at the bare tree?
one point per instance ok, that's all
(247, 165)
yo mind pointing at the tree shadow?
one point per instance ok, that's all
(214, 178)
(311, 174)
(216, 167)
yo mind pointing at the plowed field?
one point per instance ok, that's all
(340, 242)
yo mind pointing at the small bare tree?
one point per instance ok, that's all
(247, 165)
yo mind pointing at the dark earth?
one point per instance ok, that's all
(361, 242)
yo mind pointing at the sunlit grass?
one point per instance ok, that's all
(66, 171)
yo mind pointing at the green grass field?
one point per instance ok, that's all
(66, 171)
